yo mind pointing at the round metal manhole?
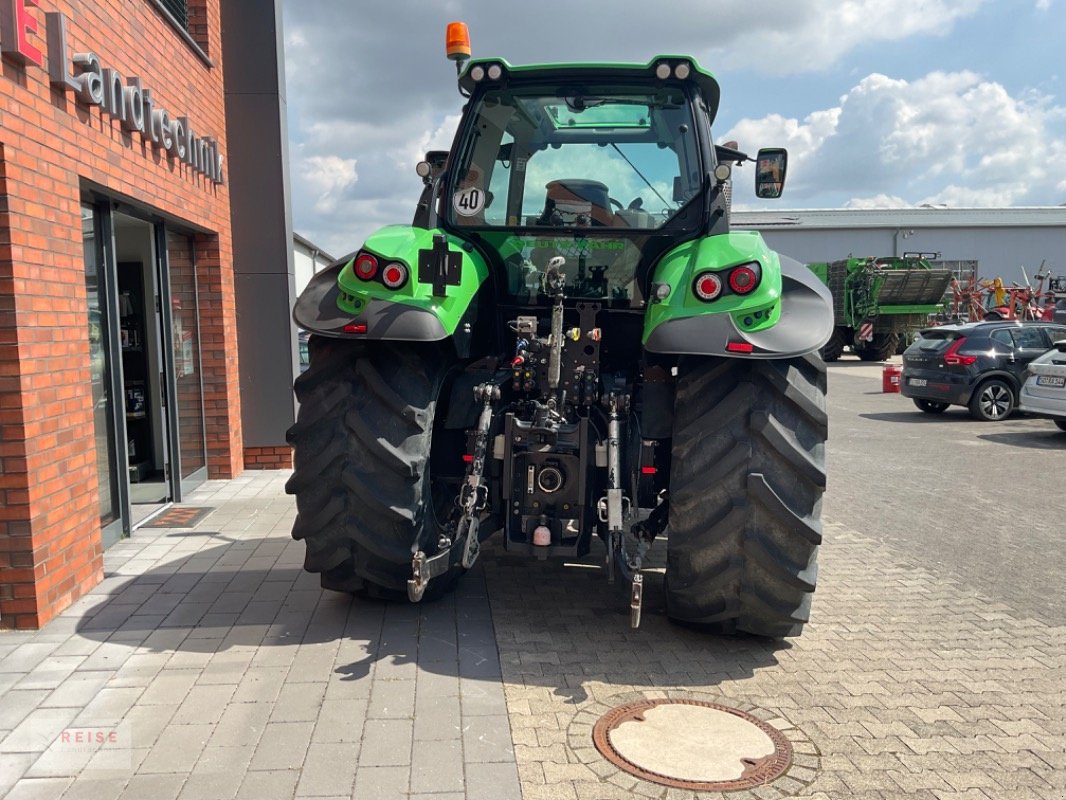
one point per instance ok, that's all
(692, 744)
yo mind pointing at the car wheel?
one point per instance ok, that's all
(1061, 423)
(993, 401)
(930, 406)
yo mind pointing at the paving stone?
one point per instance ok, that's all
(203, 704)
(298, 702)
(329, 769)
(386, 743)
(177, 749)
(487, 739)
(270, 785)
(377, 783)
(38, 730)
(39, 789)
(156, 787)
(282, 746)
(391, 699)
(341, 721)
(437, 767)
(493, 782)
(438, 718)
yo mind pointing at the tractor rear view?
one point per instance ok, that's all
(878, 301)
(569, 347)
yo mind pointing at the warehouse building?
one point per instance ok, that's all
(1001, 241)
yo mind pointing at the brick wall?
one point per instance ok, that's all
(51, 148)
(268, 457)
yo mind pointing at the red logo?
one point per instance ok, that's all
(17, 24)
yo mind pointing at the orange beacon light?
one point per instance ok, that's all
(457, 41)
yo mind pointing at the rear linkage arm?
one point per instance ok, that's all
(471, 502)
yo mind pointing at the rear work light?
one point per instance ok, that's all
(366, 266)
(394, 275)
(952, 357)
(743, 279)
(707, 286)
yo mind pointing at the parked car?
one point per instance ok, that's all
(1044, 391)
(980, 365)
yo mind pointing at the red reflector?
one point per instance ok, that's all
(742, 280)
(739, 347)
(355, 328)
(366, 266)
(648, 470)
(469, 459)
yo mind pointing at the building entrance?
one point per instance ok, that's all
(148, 393)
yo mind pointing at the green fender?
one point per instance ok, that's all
(789, 313)
(337, 303)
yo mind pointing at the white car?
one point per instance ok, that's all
(1044, 392)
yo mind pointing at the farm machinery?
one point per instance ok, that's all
(570, 347)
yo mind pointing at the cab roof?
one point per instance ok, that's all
(536, 73)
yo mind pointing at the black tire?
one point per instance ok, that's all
(881, 348)
(362, 448)
(930, 406)
(746, 486)
(993, 401)
(834, 348)
(1060, 424)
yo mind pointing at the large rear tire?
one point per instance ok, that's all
(882, 347)
(746, 485)
(362, 447)
(834, 348)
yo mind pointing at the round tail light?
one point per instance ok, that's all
(743, 280)
(366, 267)
(707, 286)
(394, 275)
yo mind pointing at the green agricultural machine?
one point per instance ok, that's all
(570, 348)
(879, 302)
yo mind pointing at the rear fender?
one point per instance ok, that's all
(338, 304)
(789, 314)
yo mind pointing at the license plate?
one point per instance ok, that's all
(1050, 380)
(916, 381)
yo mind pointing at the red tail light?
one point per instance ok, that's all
(952, 357)
(707, 286)
(743, 280)
(366, 266)
(394, 275)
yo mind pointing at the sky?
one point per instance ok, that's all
(881, 103)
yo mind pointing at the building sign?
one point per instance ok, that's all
(94, 84)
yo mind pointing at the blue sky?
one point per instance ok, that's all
(882, 103)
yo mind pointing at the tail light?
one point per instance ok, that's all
(952, 357)
(743, 279)
(394, 275)
(366, 266)
(707, 286)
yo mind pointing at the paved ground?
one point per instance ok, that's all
(209, 666)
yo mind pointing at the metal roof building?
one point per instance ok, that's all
(1003, 241)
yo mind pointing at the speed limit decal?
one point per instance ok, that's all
(469, 201)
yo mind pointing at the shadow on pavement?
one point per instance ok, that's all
(555, 626)
(1052, 439)
(921, 418)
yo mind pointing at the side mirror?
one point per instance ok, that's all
(770, 169)
(1061, 346)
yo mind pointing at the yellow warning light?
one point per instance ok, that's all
(457, 41)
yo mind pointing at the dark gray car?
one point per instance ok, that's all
(980, 365)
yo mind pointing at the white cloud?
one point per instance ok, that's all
(953, 138)
(327, 178)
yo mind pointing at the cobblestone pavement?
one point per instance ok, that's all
(906, 686)
(208, 665)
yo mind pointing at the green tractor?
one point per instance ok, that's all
(879, 302)
(568, 344)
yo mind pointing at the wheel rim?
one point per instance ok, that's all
(995, 401)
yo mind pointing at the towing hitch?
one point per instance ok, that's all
(472, 499)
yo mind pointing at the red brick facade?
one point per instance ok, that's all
(268, 457)
(52, 147)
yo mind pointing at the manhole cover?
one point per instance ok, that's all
(691, 744)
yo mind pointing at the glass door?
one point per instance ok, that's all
(104, 357)
(182, 298)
